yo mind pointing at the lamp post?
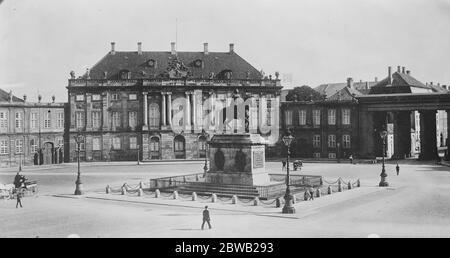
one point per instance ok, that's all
(205, 168)
(138, 152)
(79, 186)
(338, 152)
(383, 175)
(288, 207)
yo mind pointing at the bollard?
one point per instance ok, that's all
(184, 179)
(124, 190)
(278, 202)
(318, 192)
(339, 186)
(256, 201)
(214, 198)
(140, 192)
(330, 190)
(175, 195)
(194, 196)
(234, 199)
(306, 196)
(157, 193)
(108, 189)
(358, 183)
(141, 185)
(349, 185)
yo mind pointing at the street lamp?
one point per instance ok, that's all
(138, 149)
(79, 138)
(288, 208)
(205, 135)
(383, 175)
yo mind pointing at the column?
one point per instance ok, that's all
(402, 134)
(105, 113)
(145, 108)
(367, 135)
(448, 134)
(211, 109)
(428, 142)
(169, 107)
(188, 110)
(194, 109)
(163, 108)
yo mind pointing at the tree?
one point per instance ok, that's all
(304, 93)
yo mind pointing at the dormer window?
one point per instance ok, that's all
(124, 74)
(225, 75)
(198, 63)
(151, 63)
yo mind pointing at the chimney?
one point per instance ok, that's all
(205, 48)
(53, 99)
(350, 83)
(398, 69)
(172, 48)
(389, 75)
(10, 96)
(39, 98)
(403, 69)
(444, 86)
(25, 97)
(231, 48)
(408, 72)
(139, 48)
(367, 85)
(113, 51)
(376, 79)
(88, 73)
(431, 83)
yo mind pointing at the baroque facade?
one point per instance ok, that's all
(30, 133)
(161, 105)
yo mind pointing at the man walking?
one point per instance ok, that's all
(206, 217)
(284, 165)
(19, 198)
(398, 169)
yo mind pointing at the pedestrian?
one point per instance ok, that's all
(398, 169)
(284, 165)
(206, 217)
(311, 194)
(17, 180)
(351, 159)
(19, 199)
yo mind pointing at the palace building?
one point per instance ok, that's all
(161, 105)
(30, 133)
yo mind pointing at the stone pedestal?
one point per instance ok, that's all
(237, 159)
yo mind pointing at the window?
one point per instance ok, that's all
(154, 115)
(33, 146)
(116, 119)
(331, 155)
(47, 120)
(3, 120)
(346, 116)
(96, 144)
(179, 145)
(79, 119)
(316, 117)
(18, 120)
(133, 143)
(154, 144)
(4, 147)
(95, 119)
(269, 117)
(302, 117)
(132, 96)
(316, 155)
(19, 146)
(34, 120)
(332, 116)
(332, 141)
(60, 142)
(79, 97)
(288, 114)
(116, 143)
(96, 97)
(132, 119)
(115, 96)
(346, 141)
(316, 141)
(82, 145)
(253, 118)
(60, 120)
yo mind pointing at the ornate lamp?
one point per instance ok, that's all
(288, 205)
(383, 175)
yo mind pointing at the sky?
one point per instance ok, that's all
(310, 41)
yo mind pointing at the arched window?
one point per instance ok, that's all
(225, 75)
(154, 115)
(179, 147)
(154, 148)
(124, 74)
(202, 146)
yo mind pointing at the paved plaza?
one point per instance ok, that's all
(415, 205)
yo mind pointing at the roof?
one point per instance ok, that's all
(403, 83)
(329, 89)
(345, 94)
(139, 66)
(4, 97)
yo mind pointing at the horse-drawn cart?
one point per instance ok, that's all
(27, 188)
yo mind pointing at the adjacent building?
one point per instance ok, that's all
(151, 104)
(30, 133)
